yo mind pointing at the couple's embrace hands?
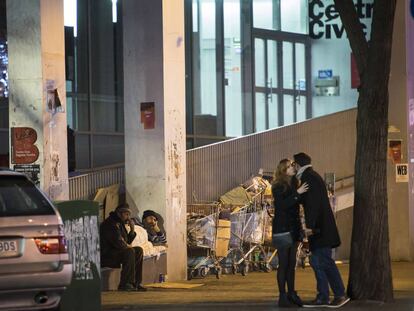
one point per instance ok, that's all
(303, 188)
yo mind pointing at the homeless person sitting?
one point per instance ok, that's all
(115, 249)
(150, 221)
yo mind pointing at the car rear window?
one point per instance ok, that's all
(19, 197)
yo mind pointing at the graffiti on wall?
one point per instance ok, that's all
(83, 246)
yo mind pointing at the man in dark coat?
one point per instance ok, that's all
(323, 235)
(116, 249)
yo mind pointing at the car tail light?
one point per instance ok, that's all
(52, 245)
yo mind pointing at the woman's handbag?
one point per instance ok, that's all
(282, 240)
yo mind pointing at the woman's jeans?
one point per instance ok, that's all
(326, 273)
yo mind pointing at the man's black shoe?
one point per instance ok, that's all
(284, 302)
(339, 302)
(295, 299)
(316, 303)
(141, 288)
(127, 288)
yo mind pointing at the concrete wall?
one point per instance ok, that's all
(410, 118)
(397, 116)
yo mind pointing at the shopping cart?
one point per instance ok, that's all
(248, 230)
(207, 239)
(236, 257)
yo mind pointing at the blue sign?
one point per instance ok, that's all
(325, 74)
(301, 85)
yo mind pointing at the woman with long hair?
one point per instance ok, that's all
(286, 193)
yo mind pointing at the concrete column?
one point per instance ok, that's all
(154, 64)
(37, 64)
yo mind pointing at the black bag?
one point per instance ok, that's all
(282, 240)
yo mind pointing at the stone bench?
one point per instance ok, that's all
(151, 270)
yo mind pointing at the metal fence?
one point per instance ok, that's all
(83, 187)
(214, 169)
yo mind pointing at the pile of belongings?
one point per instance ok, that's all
(148, 248)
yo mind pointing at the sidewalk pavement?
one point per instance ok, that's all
(256, 291)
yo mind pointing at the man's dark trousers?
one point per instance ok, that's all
(131, 259)
(326, 273)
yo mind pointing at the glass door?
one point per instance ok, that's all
(266, 84)
(281, 80)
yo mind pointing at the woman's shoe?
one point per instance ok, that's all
(284, 301)
(295, 299)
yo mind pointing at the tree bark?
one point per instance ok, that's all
(370, 275)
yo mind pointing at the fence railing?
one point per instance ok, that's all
(83, 187)
(212, 170)
(215, 169)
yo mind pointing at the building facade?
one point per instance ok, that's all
(230, 68)
(251, 65)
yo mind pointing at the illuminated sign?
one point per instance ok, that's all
(324, 20)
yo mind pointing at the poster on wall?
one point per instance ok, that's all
(32, 171)
(394, 150)
(23, 146)
(148, 115)
(401, 172)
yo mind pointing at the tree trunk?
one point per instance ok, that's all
(370, 267)
(370, 274)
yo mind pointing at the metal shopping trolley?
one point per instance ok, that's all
(207, 239)
(248, 231)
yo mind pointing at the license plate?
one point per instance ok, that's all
(8, 248)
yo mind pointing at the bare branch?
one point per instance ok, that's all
(381, 40)
(353, 28)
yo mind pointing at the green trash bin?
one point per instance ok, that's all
(81, 227)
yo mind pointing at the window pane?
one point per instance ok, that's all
(94, 71)
(195, 15)
(294, 16)
(106, 66)
(272, 63)
(82, 151)
(76, 59)
(287, 65)
(273, 112)
(104, 110)
(208, 58)
(288, 109)
(260, 112)
(232, 68)
(259, 55)
(204, 69)
(266, 14)
(108, 149)
(300, 66)
(300, 108)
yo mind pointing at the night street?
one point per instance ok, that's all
(256, 291)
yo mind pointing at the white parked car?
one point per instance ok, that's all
(34, 262)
